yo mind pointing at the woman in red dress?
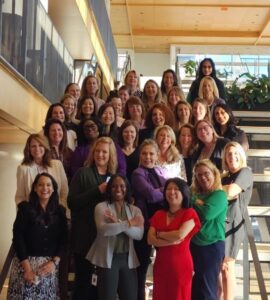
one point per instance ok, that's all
(170, 232)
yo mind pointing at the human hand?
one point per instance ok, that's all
(136, 221)
(110, 216)
(46, 268)
(199, 202)
(102, 187)
(29, 276)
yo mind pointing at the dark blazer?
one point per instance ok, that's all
(83, 196)
(39, 234)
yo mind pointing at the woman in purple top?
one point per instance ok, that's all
(147, 183)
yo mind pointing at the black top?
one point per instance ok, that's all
(146, 133)
(39, 233)
(132, 162)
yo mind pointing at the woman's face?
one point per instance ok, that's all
(164, 139)
(69, 106)
(198, 111)
(108, 117)
(44, 188)
(168, 80)
(205, 133)
(102, 154)
(55, 134)
(221, 116)
(124, 95)
(151, 89)
(118, 190)
(90, 130)
(207, 88)
(207, 68)
(173, 195)
(205, 178)
(129, 135)
(117, 105)
(183, 113)
(233, 159)
(148, 156)
(58, 113)
(135, 111)
(158, 117)
(75, 91)
(91, 86)
(37, 151)
(185, 138)
(88, 107)
(173, 98)
(132, 80)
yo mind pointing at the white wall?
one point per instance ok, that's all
(10, 158)
(151, 64)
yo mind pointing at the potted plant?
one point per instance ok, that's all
(250, 93)
(190, 67)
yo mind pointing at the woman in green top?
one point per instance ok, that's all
(207, 246)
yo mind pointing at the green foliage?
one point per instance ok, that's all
(190, 67)
(254, 90)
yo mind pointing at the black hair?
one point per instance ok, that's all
(80, 132)
(200, 74)
(184, 189)
(175, 80)
(81, 101)
(108, 193)
(232, 120)
(50, 110)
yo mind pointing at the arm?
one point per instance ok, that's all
(63, 192)
(143, 188)
(21, 194)
(152, 239)
(232, 190)
(180, 234)
(136, 229)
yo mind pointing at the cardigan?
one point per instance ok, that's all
(83, 196)
(101, 252)
(26, 175)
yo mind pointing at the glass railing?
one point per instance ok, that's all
(32, 46)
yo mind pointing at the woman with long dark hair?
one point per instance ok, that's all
(39, 240)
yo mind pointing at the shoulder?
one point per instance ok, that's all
(220, 194)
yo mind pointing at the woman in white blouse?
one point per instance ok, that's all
(37, 160)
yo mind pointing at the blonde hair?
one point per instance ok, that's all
(138, 78)
(112, 163)
(213, 83)
(195, 187)
(69, 96)
(240, 151)
(172, 154)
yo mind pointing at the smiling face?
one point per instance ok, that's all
(164, 139)
(44, 188)
(74, 90)
(205, 178)
(129, 135)
(158, 117)
(151, 90)
(185, 138)
(173, 98)
(183, 113)
(55, 134)
(108, 117)
(135, 111)
(233, 159)
(69, 106)
(173, 196)
(117, 105)
(168, 80)
(207, 88)
(88, 107)
(118, 189)
(205, 132)
(148, 156)
(102, 155)
(58, 113)
(132, 80)
(207, 68)
(221, 116)
(91, 86)
(198, 111)
(90, 130)
(37, 151)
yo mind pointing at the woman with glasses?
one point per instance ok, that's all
(210, 144)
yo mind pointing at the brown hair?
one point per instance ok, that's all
(126, 124)
(133, 100)
(83, 89)
(169, 117)
(205, 104)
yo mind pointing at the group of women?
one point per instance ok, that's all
(145, 168)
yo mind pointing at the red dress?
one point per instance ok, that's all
(173, 266)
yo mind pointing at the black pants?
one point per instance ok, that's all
(143, 251)
(207, 263)
(83, 289)
(118, 279)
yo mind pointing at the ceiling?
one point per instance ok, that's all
(154, 25)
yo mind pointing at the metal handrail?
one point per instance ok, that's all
(6, 267)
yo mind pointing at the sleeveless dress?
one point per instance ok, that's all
(173, 266)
